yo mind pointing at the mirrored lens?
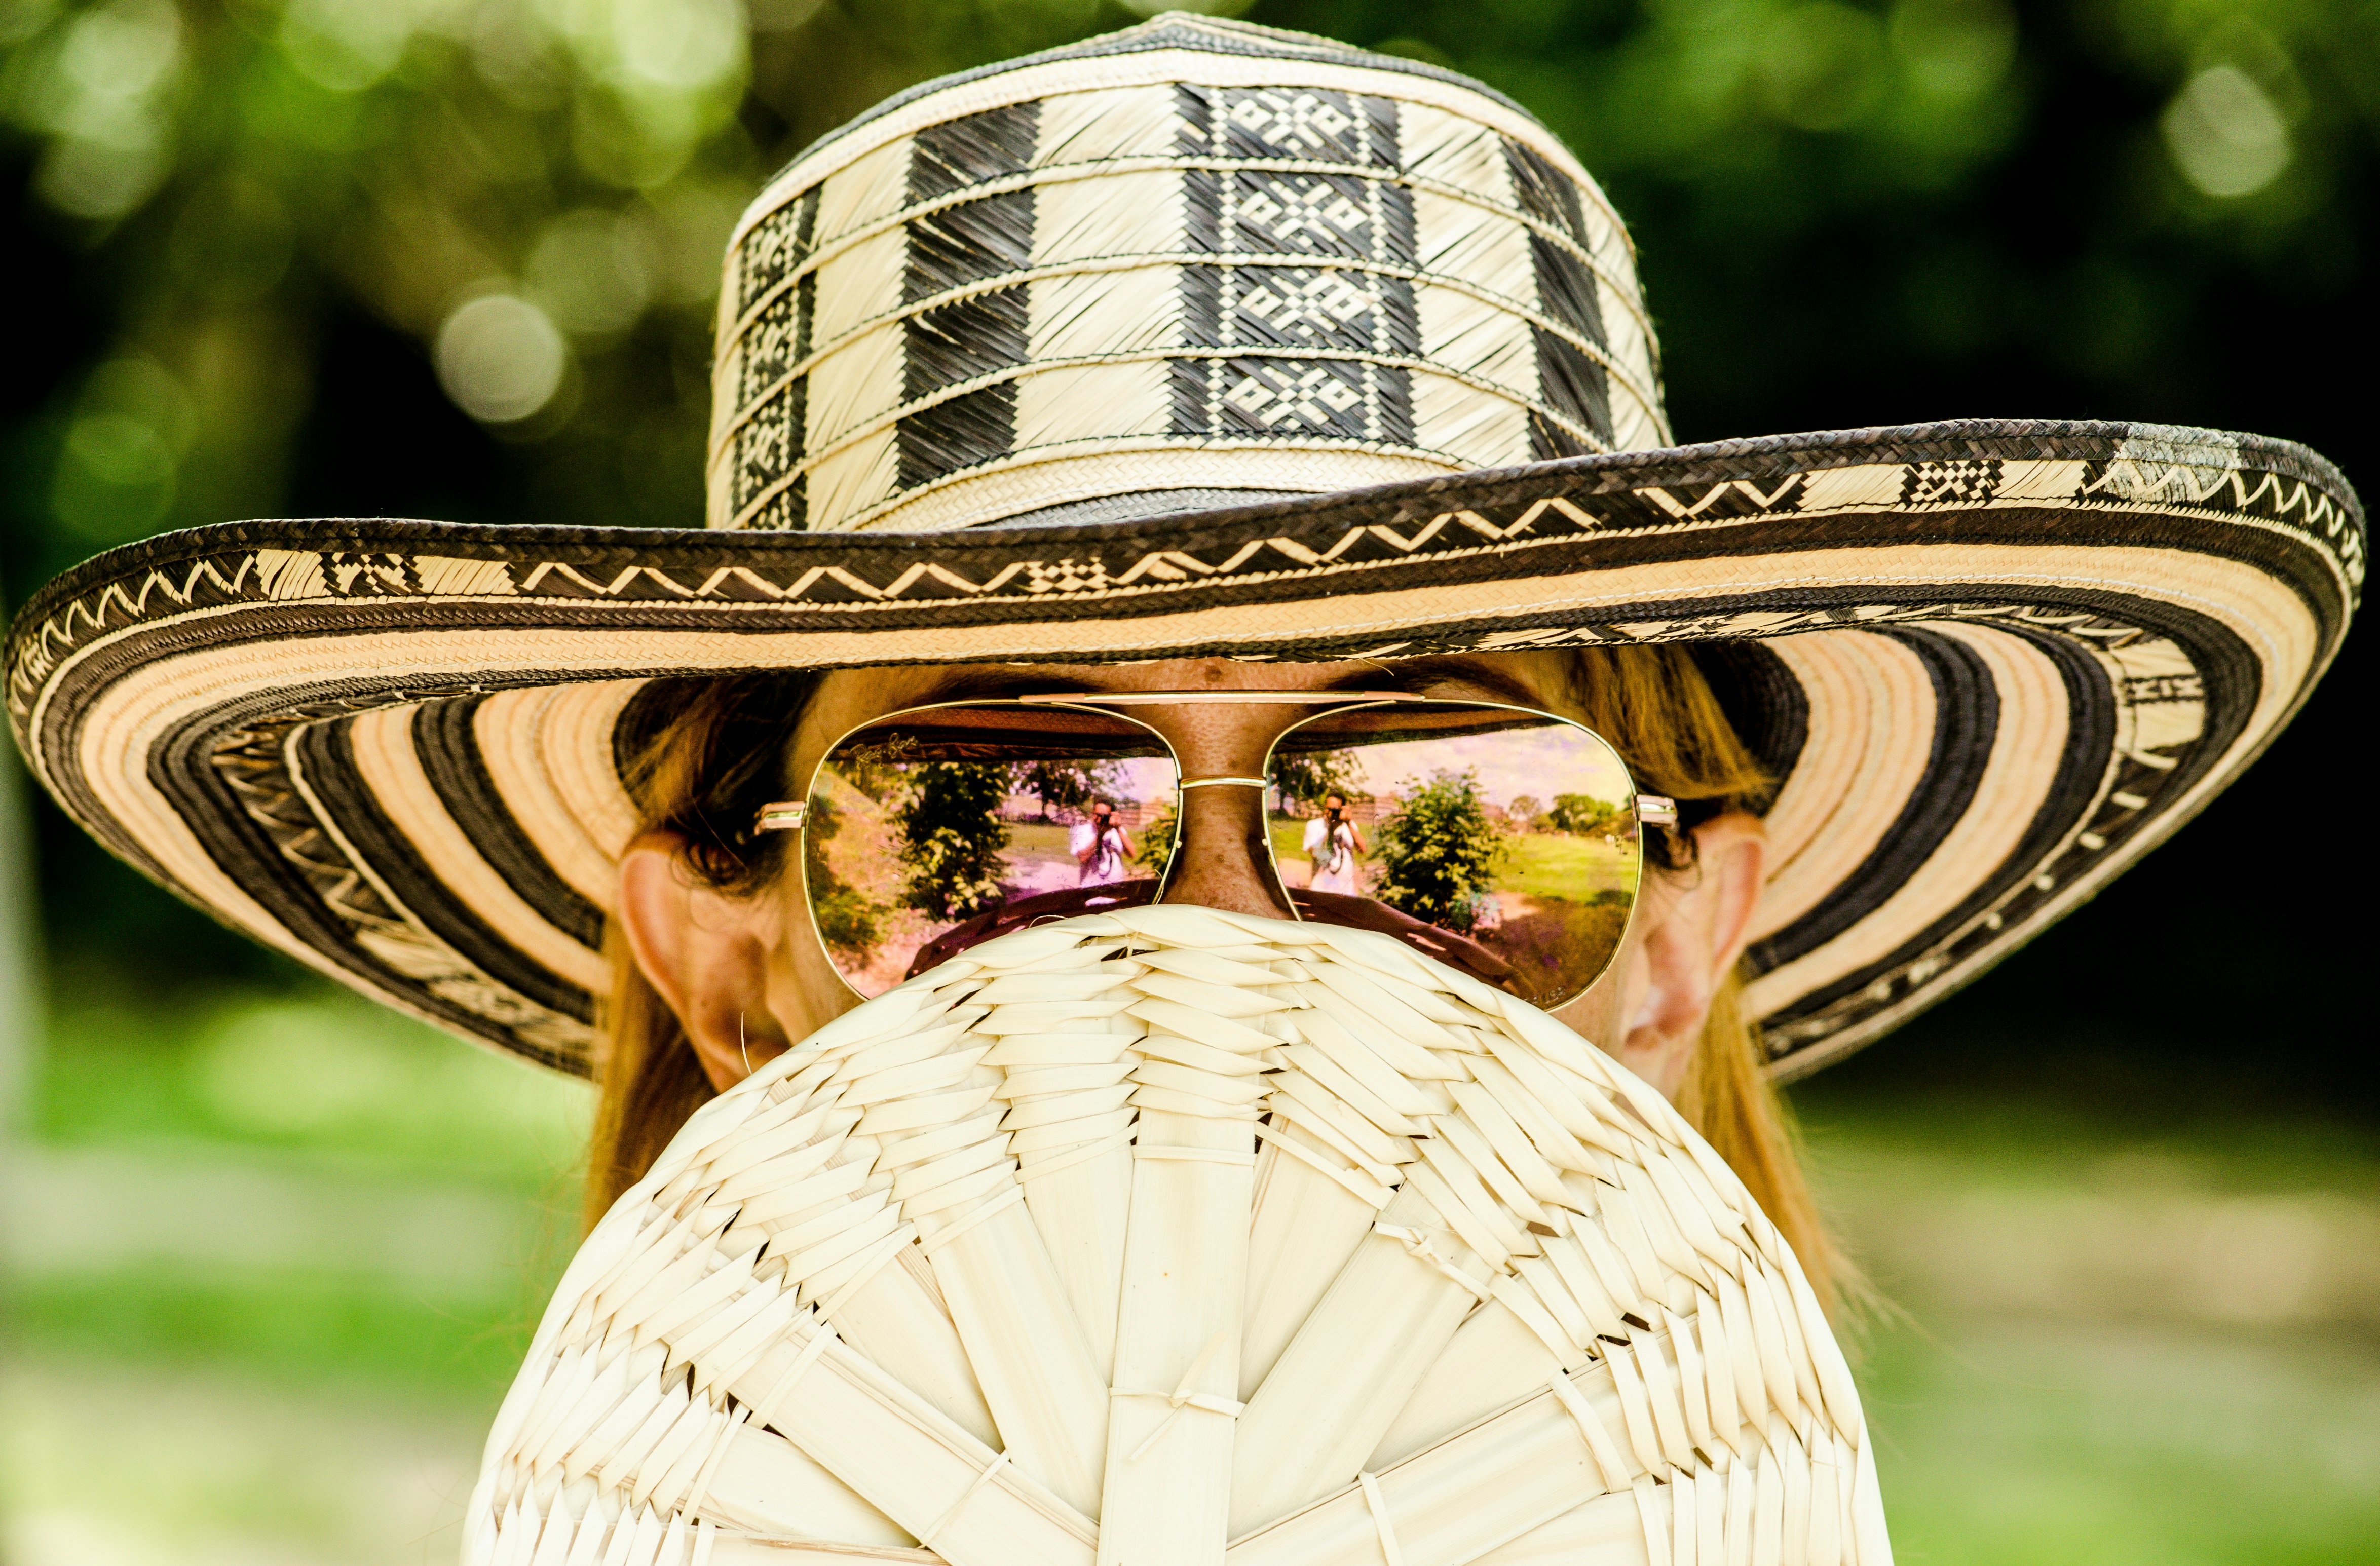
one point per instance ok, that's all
(932, 831)
(1498, 841)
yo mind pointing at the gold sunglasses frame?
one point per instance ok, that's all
(1650, 810)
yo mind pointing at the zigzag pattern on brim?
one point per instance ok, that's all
(1992, 662)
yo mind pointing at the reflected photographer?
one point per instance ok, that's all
(1101, 846)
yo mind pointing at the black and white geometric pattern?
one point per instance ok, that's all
(1317, 350)
(1310, 286)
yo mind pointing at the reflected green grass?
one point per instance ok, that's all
(1536, 864)
(1543, 865)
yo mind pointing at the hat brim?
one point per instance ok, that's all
(1992, 664)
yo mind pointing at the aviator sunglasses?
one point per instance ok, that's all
(1500, 840)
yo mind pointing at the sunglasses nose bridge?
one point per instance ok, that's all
(1221, 859)
(1224, 858)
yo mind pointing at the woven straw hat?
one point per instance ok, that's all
(1202, 338)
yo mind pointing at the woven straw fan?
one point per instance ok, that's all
(1169, 1237)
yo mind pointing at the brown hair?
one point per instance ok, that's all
(1656, 706)
(699, 757)
(703, 756)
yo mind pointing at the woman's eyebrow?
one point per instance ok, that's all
(994, 684)
(1450, 669)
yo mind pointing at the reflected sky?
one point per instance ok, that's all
(1141, 780)
(1539, 763)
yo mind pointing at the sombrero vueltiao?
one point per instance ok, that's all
(1203, 339)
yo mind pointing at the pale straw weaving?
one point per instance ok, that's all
(1175, 1236)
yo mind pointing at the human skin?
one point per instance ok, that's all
(746, 976)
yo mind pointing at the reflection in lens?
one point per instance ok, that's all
(931, 832)
(1500, 841)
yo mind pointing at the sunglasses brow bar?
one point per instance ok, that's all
(1168, 698)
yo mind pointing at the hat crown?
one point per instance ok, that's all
(1186, 264)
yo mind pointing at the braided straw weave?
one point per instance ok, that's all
(1179, 1236)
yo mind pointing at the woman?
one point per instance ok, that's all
(1332, 844)
(1180, 399)
(716, 968)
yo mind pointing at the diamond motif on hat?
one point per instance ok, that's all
(1323, 302)
(1956, 481)
(1277, 395)
(368, 573)
(1066, 575)
(1291, 213)
(1292, 120)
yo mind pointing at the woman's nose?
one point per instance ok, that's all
(1222, 861)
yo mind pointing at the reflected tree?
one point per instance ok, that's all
(1581, 813)
(952, 837)
(1066, 785)
(1308, 777)
(1439, 852)
(1155, 849)
(848, 919)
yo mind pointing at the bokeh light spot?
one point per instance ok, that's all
(592, 270)
(2226, 133)
(91, 179)
(118, 470)
(1820, 64)
(345, 45)
(1954, 50)
(100, 100)
(679, 43)
(500, 358)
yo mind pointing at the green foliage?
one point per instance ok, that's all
(950, 837)
(1580, 814)
(1065, 785)
(1439, 851)
(1155, 849)
(1310, 776)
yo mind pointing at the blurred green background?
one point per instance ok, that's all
(272, 1254)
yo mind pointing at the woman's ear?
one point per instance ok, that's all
(706, 953)
(1699, 926)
